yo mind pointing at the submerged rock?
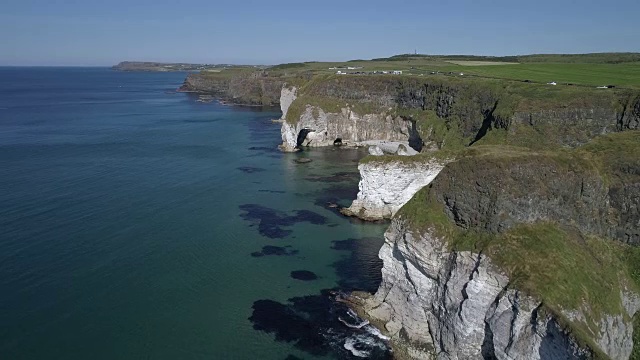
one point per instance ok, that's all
(304, 275)
(302, 160)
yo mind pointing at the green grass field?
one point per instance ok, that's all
(624, 75)
(620, 70)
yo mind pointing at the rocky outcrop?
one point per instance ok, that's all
(495, 193)
(629, 117)
(571, 127)
(324, 128)
(441, 304)
(386, 185)
(203, 84)
(244, 88)
(378, 148)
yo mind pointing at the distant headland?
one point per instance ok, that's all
(166, 67)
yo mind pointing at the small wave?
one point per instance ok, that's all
(352, 320)
(351, 343)
(354, 326)
(375, 332)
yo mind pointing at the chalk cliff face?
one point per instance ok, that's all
(385, 186)
(439, 299)
(317, 128)
(287, 97)
(440, 304)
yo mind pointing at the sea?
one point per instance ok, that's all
(139, 223)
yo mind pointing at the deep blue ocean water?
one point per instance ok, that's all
(137, 223)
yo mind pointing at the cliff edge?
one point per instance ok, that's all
(512, 254)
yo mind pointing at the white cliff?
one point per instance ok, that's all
(324, 128)
(385, 186)
(438, 304)
(287, 96)
(382, 147)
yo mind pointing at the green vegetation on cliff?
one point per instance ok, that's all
(535, 214)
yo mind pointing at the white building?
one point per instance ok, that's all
(397, 72)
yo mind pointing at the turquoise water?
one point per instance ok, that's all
(133, 222)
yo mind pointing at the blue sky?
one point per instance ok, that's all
(73, 32)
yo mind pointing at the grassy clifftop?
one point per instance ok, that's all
(457, 111)
(588, 70)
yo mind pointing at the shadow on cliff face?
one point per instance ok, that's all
(302, 135)
(311, 324)
(361, 270)
(271, 221)
(415, 141)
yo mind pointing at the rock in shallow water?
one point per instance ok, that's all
(311, 324)
(304, 275)
(250, 169)
(302, 160)
(274, 251)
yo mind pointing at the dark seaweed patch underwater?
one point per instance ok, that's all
(271, 221)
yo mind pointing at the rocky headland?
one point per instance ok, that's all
(240, 87)
(150, 66)
(515, 208)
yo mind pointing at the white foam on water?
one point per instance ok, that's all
(350, 344)
(354, 326)
(375, 332)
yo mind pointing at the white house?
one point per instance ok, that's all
(397, 72)
(552, 83)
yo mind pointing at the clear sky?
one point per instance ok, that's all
(90, 32)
